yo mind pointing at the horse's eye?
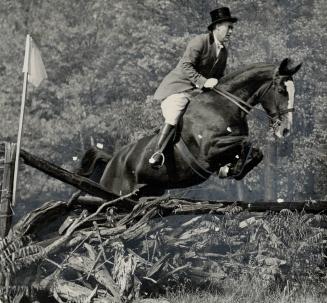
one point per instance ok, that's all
(282, 91)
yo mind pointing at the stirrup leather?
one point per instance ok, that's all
(152, 160)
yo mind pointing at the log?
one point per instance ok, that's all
(65, 176)
(126, 204)
(184, 207)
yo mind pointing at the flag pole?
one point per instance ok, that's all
(21, 117)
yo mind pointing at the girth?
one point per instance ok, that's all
(192, 162)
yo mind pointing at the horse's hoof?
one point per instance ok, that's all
(223, 172)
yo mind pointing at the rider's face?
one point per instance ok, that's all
(222, 31)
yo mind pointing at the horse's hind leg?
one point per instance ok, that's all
(93, 164)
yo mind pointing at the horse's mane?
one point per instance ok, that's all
(248, 73)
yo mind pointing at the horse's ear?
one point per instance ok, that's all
(295, 69)
(284, 70)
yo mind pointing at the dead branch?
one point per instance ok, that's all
(84, 264)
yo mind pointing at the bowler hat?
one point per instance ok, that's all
(220, 14)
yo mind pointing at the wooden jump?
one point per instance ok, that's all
(7, 164)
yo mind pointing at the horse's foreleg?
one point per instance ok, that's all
(254, 159)
(223, 150)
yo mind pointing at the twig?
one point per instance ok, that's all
(101, 208)
(100, 240)
(54, 263)
(93, 266)
(155, 246)
(74, 197)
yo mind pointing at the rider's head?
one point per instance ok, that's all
(221, 23)
(222, 31)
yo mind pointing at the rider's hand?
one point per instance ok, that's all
(210, 83)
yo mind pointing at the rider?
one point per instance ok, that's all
(202, 64)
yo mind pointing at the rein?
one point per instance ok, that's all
(240, 103)
(236, 100)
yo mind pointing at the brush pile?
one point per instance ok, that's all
(79, 252)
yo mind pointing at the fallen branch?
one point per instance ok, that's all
(84, 264)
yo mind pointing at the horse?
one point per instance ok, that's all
(212, 134)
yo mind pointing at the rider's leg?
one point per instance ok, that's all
(173, 108)
(157, 159)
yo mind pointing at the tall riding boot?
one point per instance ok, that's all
(158, 158)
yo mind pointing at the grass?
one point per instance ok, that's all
(245, 292)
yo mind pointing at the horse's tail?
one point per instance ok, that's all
(93, 163)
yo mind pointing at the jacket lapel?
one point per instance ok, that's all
(220, 62)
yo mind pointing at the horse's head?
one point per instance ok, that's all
(277, 98)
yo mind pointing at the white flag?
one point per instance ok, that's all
(33, 64)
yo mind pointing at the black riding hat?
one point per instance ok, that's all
(220, 14)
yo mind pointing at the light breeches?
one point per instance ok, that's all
(173, 107)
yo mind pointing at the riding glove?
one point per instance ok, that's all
(210, 83)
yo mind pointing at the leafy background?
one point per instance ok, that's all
(104, 60)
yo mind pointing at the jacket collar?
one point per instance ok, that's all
(213, 40)
(211, 37)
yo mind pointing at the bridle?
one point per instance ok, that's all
(273, 117)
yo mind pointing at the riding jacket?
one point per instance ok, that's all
(199, 63)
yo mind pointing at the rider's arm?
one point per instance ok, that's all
(190, 59)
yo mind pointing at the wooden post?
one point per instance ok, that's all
(270, 161)
(6, 189)
(240, 190)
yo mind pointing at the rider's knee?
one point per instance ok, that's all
(173, 107)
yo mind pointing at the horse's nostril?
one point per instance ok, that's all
(285, 132)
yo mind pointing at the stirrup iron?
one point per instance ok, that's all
(152, 160)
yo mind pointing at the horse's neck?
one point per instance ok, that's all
(245, 84)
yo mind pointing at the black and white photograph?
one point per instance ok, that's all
(163, 151)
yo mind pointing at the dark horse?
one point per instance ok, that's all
(213, 134)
